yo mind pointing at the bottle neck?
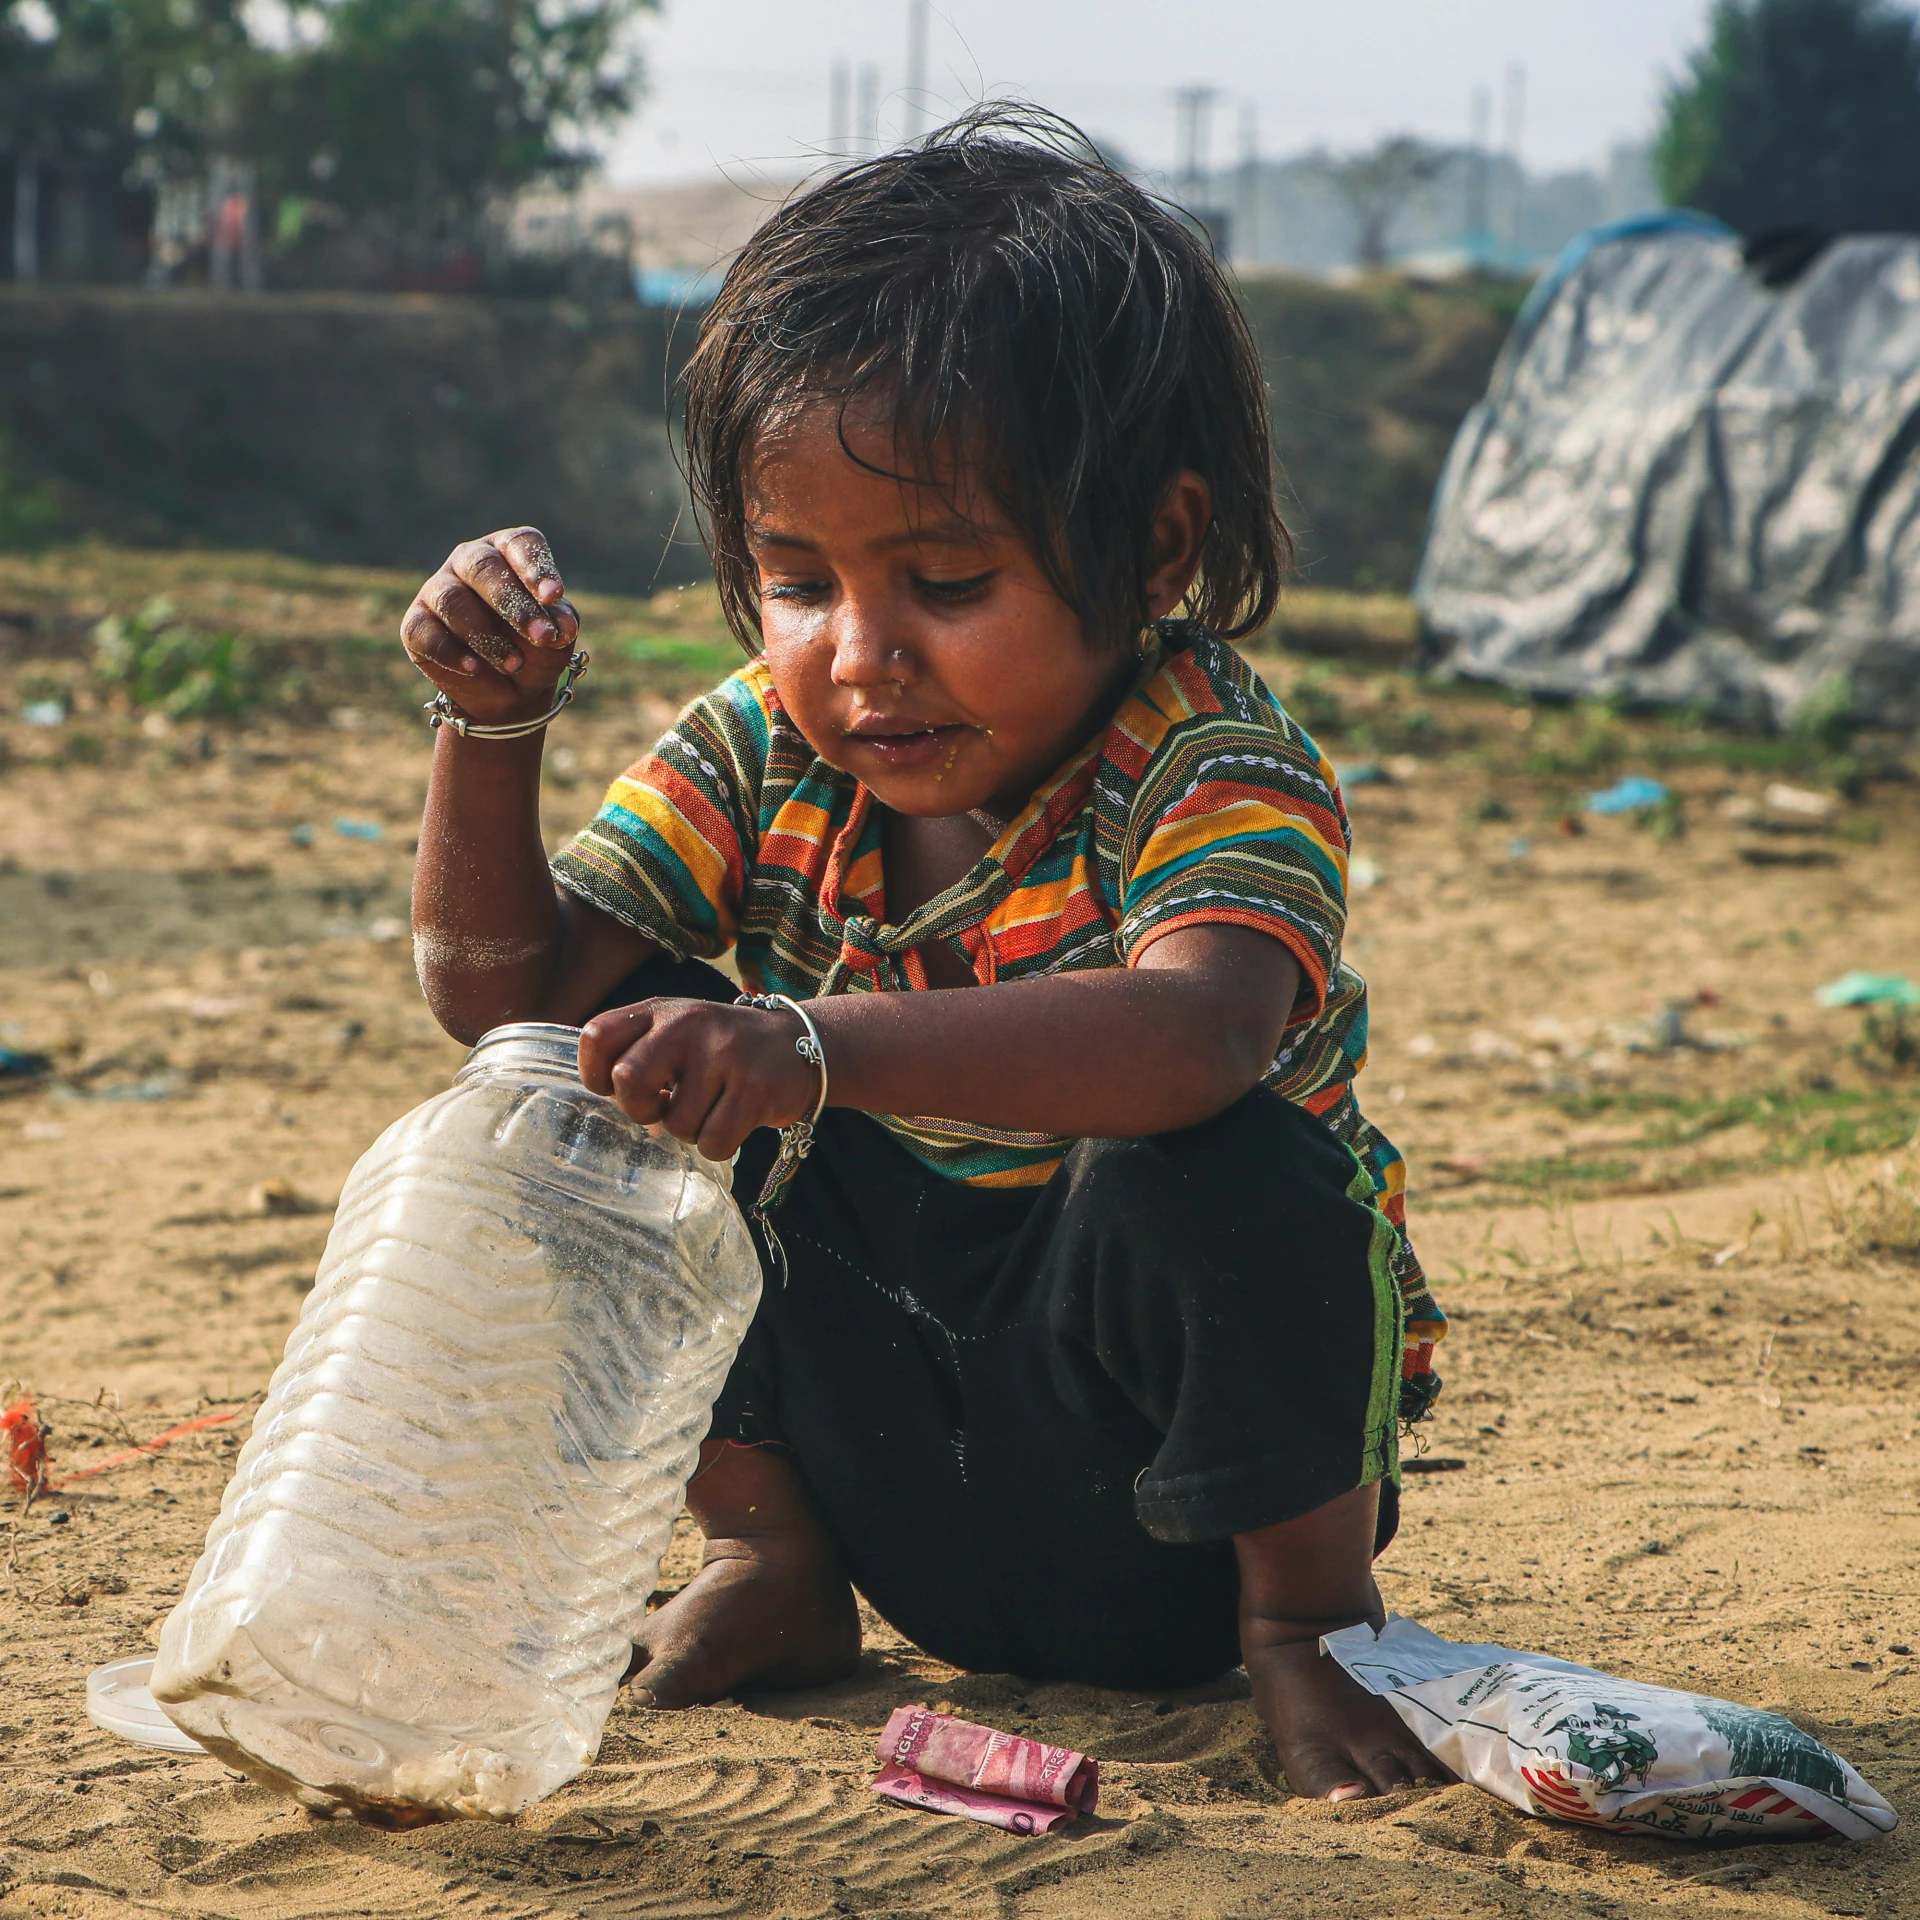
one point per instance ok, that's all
(528, 1046)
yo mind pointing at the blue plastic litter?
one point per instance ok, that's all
(1858, 989)
(1363, 773)
(1519, 847)
(44, 713)
(15, 1065)
(301, 836)
(1634, 794)
(358, 829)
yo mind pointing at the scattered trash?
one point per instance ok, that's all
(44, 713)
(156, 1086)
(1363, 773)
(1859, 989)
(385, 930)
(1519, 847)
(1667, 1030)
(1491, 807)
(1788, 857)
(1798, 801)
(1363, 873)
(931, 1760)
(156, 726)
(1568, 1742)
(1570, 826)
(1634, 794)
(17, 1069)
(358, 829)
(26, 1447)
(1484, 1044)
(302, 835)
(44, 1130)
(277, 1199)
(206, 1009)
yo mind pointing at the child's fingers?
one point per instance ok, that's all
(727, 1124)
(432, 647)
(468, 617)
(605, 1039)
(482, 567)
(531, 557)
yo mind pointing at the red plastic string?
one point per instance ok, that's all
(140, 1452)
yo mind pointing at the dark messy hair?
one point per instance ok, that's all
(1008, 294)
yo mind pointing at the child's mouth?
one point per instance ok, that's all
(907, 751)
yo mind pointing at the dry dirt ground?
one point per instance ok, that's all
(1669, 1197)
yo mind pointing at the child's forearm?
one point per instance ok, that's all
(487, 930)
(1112, 1053)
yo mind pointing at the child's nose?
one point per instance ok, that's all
(868, 650)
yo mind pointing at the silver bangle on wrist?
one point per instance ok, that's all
(441, 711)
(796, 1138)
(808, 1047)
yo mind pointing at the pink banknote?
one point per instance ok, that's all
(930, 1760)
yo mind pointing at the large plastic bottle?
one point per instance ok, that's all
(421, 1592)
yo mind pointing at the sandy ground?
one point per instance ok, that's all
(1679, 1382)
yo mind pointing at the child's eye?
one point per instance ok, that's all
(950, 591)
(793, 589)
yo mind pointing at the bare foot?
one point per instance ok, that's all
(770, 1607)
(1298, 1580)
(1336, 1740)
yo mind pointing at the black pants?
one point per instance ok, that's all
(1033, 1418)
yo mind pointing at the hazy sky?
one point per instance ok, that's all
(744, 83)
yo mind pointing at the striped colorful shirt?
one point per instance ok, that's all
(1203, 802)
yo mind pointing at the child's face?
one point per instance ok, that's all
(921, 651)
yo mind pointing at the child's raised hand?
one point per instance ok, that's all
(493, 629)
(707, 1072)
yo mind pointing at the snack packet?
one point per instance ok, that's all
(1572, 1743)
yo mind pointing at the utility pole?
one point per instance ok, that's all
(1481, 122)
(916, 115)
(1193, 108)
(840, 110)
(866, 125)
(1246, 214)
(1516, 113)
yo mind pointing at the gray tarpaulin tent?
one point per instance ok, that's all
(1687, 487)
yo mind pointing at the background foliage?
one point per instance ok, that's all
(1799, 113)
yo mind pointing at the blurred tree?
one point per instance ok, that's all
(1377, 184)
(99, 97)
(421, 115)
(1799, 114)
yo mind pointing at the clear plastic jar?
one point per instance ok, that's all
(421, 1593)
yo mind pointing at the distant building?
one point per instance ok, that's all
(1286, 214)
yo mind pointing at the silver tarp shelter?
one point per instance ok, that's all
(1688, 488)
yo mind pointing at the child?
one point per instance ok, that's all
(1081, 1348)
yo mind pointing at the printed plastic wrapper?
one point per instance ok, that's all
(1572, 1743)
(931, 1760)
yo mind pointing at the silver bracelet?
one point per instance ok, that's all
(441, 712)
(808, 1047)
(796, 1139)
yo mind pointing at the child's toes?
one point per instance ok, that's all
(1317, 1771)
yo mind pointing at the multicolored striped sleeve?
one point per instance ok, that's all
(1239, 822)
(668, 852)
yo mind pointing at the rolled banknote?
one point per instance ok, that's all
(931, 1760)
